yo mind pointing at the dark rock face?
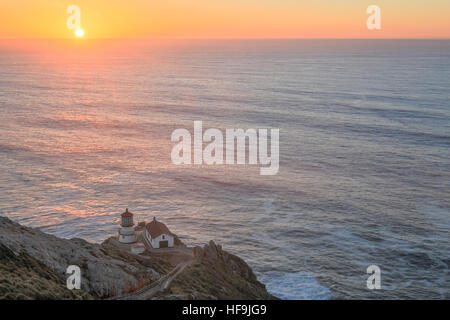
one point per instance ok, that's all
(217, 275)
(213, 254)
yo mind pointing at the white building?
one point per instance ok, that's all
(158, 235)
(126, 230)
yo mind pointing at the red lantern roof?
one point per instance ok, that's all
(127, 214)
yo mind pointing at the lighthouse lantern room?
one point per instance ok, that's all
(126, 230)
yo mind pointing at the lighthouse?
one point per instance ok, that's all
(126, 230)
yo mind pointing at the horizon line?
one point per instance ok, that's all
(233, 38)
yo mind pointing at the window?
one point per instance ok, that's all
(164, 237)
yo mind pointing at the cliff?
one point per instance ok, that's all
(33, 266)
(217, 275)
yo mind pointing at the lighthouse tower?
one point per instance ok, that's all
(126, 230)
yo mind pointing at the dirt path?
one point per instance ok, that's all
(159, 285)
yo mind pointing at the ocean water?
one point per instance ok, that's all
(364, 153)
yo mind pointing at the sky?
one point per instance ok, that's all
(225, 18)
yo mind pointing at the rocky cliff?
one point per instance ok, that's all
(33, 266)
(217, 275)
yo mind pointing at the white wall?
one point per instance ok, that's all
(127, 239)
(127, 235)
(126, 230)
(155, 242)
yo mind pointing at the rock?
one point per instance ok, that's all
(105, 270)
(218, 275)
(24, 277)
(33, 265)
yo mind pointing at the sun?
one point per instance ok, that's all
(79, 33)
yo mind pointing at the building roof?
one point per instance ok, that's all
(127, 213)
(156, 228)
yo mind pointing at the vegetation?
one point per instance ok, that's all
(24, 277)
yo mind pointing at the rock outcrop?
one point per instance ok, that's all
(33, 265)
(24, 277)
(106, 271)
(217, 275)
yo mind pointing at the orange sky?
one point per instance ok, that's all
(225, 18)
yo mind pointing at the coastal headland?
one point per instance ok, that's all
(33, 265)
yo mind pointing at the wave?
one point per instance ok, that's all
(300, 285)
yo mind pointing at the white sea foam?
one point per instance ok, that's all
(295, 286)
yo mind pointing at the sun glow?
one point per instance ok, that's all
(106, 19)
(79, 33)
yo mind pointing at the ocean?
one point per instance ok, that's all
(364, 178)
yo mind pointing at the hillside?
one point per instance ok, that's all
(33, 266)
